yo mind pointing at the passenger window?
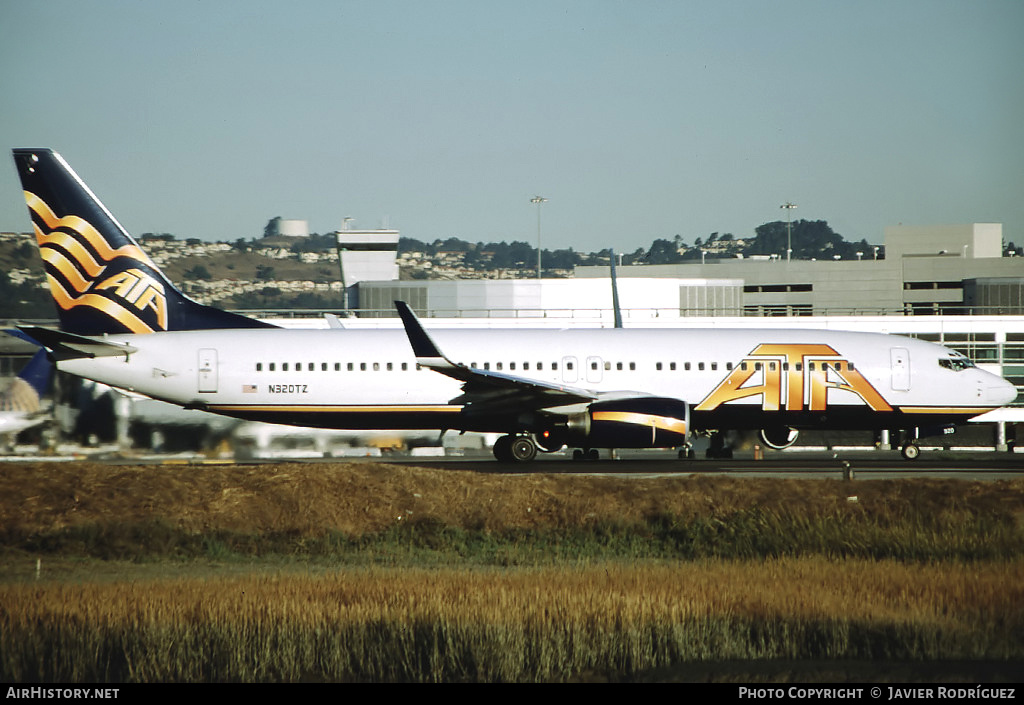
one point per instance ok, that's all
(362, 367)
(390, 366)
(259, 366)
(632, 366)
(700, 365)
(672, 366)
(284, 366)
(657, 366)
(272, 365)
(349, 367)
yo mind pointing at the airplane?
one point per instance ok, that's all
(20, 402)
(123, 323)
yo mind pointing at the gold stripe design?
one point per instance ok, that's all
(61, 252)
(49, 241)
(70, 272)
(119, 313)
(966, 410)
(329, 408)
(85, 229)
(665, 423)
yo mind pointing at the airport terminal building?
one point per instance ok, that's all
(927, 270)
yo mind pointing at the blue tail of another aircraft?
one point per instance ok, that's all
(27, 389)
(100, 279)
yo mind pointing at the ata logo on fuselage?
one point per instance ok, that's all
(794, 378)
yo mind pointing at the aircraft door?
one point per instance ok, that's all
(207, 370)
(900, 362)
(595, 369)
(569, 372)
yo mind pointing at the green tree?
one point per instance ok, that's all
(273, 227)
(198, 272)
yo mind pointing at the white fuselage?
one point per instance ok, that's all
(731, 378)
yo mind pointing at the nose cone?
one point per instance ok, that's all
(999, 392)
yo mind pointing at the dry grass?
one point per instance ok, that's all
(496, 625)
(366, 498)
(933, 569)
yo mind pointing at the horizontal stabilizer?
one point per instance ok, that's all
(68, 346)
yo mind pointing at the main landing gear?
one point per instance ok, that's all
(523, 449)
(515, 449)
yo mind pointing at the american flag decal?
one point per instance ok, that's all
(248, 389)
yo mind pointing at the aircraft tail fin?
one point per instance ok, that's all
(100, 279)
(28, 388)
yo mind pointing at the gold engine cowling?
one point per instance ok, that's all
(643, 422)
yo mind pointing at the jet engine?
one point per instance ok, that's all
(642, 422)
(779, 437)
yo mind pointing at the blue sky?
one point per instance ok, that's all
(637, 120)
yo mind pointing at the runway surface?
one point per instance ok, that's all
(868, 465)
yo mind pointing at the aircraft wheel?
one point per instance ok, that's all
(503, 449)
(523, 449)
(910, 451)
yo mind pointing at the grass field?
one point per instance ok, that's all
(368, 572)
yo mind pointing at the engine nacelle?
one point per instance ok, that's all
(644, 422)
(779, 437)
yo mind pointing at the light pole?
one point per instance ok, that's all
(789, 228)
(538, 200)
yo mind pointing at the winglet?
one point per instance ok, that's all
(426, 350)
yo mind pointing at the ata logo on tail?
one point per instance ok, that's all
(795, 377)
(77, 255)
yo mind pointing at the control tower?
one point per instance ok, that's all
(366, 255)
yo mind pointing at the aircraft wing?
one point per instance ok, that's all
(484, 390)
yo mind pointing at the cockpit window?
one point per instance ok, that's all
(957, 364)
